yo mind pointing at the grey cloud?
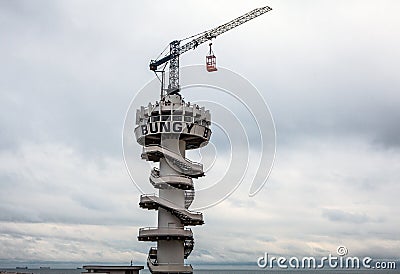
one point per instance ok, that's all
(309, 93)
(327, 70)
(50, 85)
(335, 215)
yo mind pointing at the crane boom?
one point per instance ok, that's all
(176, 50)
(223, 28)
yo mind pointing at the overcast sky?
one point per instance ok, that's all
(329, 71)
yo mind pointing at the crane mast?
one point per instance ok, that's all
(176, 50)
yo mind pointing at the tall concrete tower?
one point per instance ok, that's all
(166, 130)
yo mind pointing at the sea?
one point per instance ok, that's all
(227, 270)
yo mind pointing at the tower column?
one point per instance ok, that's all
(171, 251)
(166, 130)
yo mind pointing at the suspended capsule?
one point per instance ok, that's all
(211, 61)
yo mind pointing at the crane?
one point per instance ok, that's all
(175, 49)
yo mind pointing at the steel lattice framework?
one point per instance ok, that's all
(176, 50)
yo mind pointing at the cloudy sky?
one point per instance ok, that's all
(329, 71)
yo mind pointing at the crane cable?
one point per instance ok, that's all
(162, 52)
(194, 35)
(184, 39)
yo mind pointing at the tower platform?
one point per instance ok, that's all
(104, 269)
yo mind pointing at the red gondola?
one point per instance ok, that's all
(211, 61)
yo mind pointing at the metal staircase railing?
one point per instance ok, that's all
(151, 201)
(189, 197)
(170, 181)
(156, 267)
(181, 164)
(188, 247)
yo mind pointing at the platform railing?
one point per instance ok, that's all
(165, 228)
(153, 195)
(178, 156)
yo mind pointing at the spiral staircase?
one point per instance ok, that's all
(166, 130)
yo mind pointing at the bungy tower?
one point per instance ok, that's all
(166, 130)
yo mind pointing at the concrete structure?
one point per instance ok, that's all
(112, 269)
(166, 130)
